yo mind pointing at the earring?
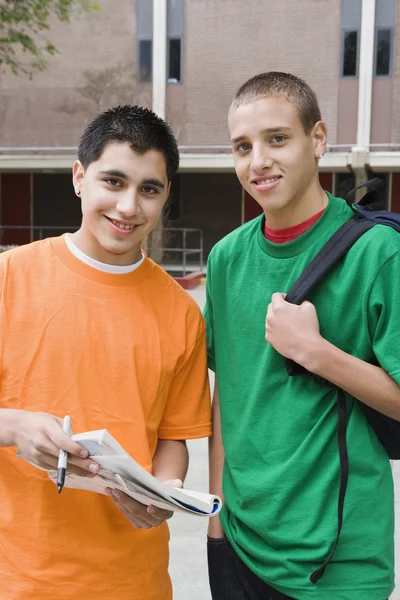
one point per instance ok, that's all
(78, 192)
(321, 155)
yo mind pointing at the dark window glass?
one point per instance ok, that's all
(383, 51)
(174, 67)
(173, 209)
(344, 182)
(145, 59)
(350, 53)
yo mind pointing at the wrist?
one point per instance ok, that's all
(315, 356)
(215, 529)
(11, 419)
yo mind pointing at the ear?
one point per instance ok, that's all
(318, 136)
(78, 173)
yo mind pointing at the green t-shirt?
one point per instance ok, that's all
(281, 471)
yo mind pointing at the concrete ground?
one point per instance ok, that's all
(188, 565)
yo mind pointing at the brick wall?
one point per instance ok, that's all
(95, 69)
(230, 40)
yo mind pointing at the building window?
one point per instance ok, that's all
(344, 183)
(383, 51)
(350, 53)
(174, 60)
(173, 208)
(144, 40)
(145, 60)
(175, 40)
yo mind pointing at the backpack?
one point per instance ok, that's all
(388, 430)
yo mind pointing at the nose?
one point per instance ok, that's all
(128, 203)
(261, 158)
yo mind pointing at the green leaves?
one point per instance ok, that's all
(22, 23)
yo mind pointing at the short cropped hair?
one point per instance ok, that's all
(277, 84)
(140, 127)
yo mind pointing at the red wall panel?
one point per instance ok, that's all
(15, 194)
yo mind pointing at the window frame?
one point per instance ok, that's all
(391, 51)
(346, 30)
(141, 39)
(171, 80)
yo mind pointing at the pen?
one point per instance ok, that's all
(63, 457)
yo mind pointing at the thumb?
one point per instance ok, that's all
(177, 483)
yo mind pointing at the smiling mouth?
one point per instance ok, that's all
(266, 181)
(122, 226)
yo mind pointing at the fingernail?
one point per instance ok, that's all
(94, 468)
(151, 510)
(83, 453)
(116, 494)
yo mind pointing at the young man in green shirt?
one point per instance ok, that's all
(273, 455)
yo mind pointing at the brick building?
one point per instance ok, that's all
(186, 58)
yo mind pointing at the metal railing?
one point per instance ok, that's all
(39, 232)
(182, 249)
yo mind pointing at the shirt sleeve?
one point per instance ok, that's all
(384, 316)
(187, 413)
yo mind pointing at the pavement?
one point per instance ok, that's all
(188, 564)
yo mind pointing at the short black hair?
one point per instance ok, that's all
(286, 85)
(139, 126)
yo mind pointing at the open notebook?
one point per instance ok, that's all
(120, 471)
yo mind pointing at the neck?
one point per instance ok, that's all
(89, 245)
(312, 201)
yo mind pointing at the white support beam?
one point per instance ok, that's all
(366, 72)
(159, 56)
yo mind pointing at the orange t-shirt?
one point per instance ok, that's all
(122, 352)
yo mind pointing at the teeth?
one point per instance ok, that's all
(121, 225)
(264, 181)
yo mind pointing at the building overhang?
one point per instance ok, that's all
(193, 163)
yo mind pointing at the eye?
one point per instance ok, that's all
(149, 190)
(279, 139)
(244, 147)
(113, 182)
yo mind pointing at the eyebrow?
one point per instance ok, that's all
(268, 130)
(122, 175)
(114, 173)
(155, 182)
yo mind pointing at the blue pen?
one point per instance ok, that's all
(63, 457)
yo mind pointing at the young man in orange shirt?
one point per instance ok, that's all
(92, 328)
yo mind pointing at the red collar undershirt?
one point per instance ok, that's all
(281, 236)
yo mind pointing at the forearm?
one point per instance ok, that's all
(8, 426)
(171, 460)
(368, 383)
(216, 464)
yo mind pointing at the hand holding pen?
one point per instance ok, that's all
(39, 437)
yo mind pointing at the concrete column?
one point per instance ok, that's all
(159, 56)
(360, 152)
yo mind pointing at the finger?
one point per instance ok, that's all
(176, 483)
(277, 298)
(159, 513)
(85, 464)
(80, 472)
(137, 517)
(63, 441)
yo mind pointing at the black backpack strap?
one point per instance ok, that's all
(329, 255)
(344, 476)
(375, 188)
